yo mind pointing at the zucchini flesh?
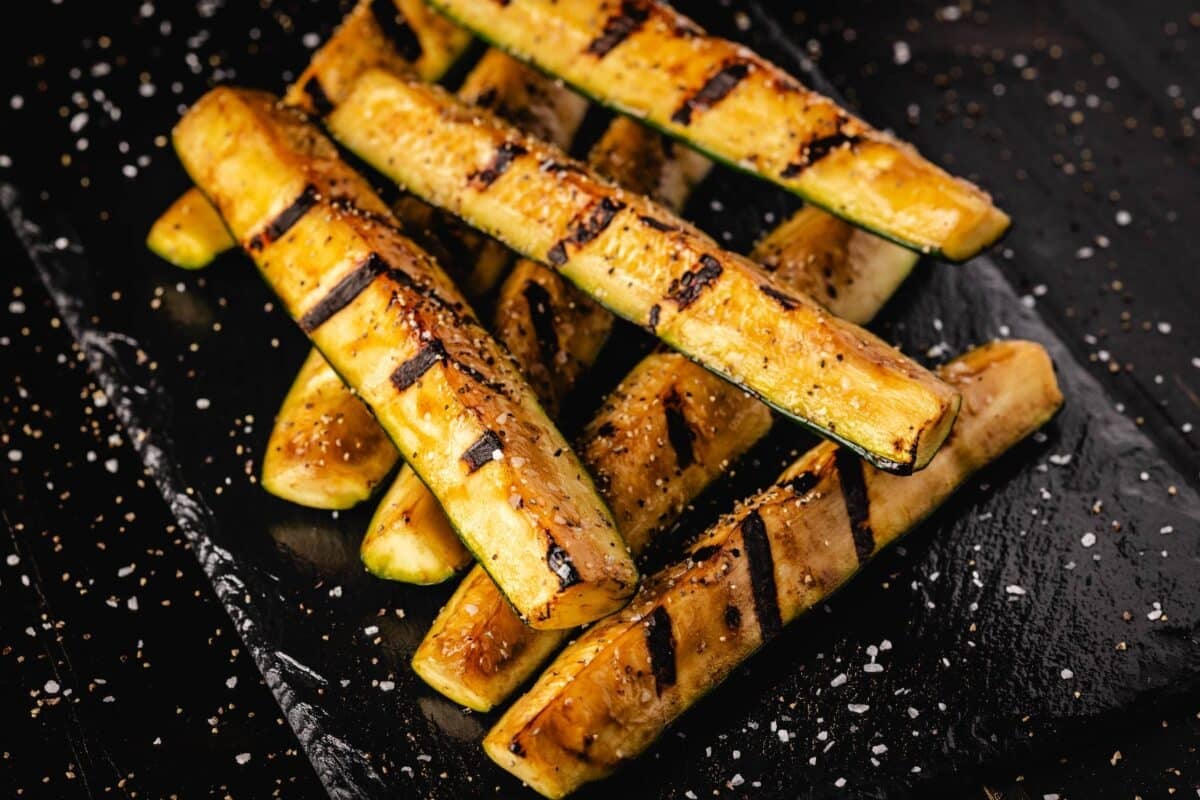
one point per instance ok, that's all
(643, 58)
(190, 233)
(393, 325)
(648, 266)
(410, 539)
(400, 35)
(535, 305)
(325, 450)
(554, 330)
(474, 261)
(611, 694)
(660, 438)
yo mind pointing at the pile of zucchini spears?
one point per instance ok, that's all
(493, 210)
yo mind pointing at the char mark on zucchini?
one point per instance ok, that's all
(560, 564)
(701, 554)
(396, 28)
(679, 432)
(411, 370)
(762, 575)
(483, 451)
(541, 314)
(590, 224)
(620, 26)
(786, 301)
(854, 490)
(316, 93)
(803, 483)
(687, 288)
(652, 319)
(660, 645)
(658, 224)
(816, 150)
(733, 617)
(501, 161)
(714, 90)
(286, 219)
(343, 293)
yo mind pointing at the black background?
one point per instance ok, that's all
(1066, 166)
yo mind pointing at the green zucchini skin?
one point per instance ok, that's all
(612, 692)
(644, 59)
(648, 266)
(320, 415)
(393, 325)
(659, 440)
(190, 234)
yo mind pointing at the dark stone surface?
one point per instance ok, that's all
(330, 640)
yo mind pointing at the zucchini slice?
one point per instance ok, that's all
(474, 261)
(659, 440)
(400, 35)
(410, 539)
(190, 233)
(535, 306)
(393, 325)
(325, 450)
(609, 695)
(845, 269)
(643, 58)
(554, 330)
(648, 266)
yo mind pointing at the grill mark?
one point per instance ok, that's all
(541, 316)
(411, 370)
(506, 153)
(679, 432)
(714, 90)
(816, 150)
(657, 224)
(733, 617)
(688, 287)
(655, 313)
(343, 294)
(702, 554)
(396, 28)
(587, 226)
(481, 452)
(762, 575)
(786, 301)
(803, 483)
(660, 645)
(286, 219)
(561, 565)
(619, 27)
(854, 490)
(316, 93)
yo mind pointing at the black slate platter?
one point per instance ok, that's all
(998, 629)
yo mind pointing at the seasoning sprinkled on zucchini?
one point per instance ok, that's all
(391, 322)
(658, 441)
(645, 59)
(400, 35)
(475, 262)
(645, 264)
(612, 692)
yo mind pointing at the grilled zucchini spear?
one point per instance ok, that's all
(554, 331)
(320, 418)
(399, 35)
(609, 695)
(645, 264)
(668, 431)
(645, 59)
(394, 326)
